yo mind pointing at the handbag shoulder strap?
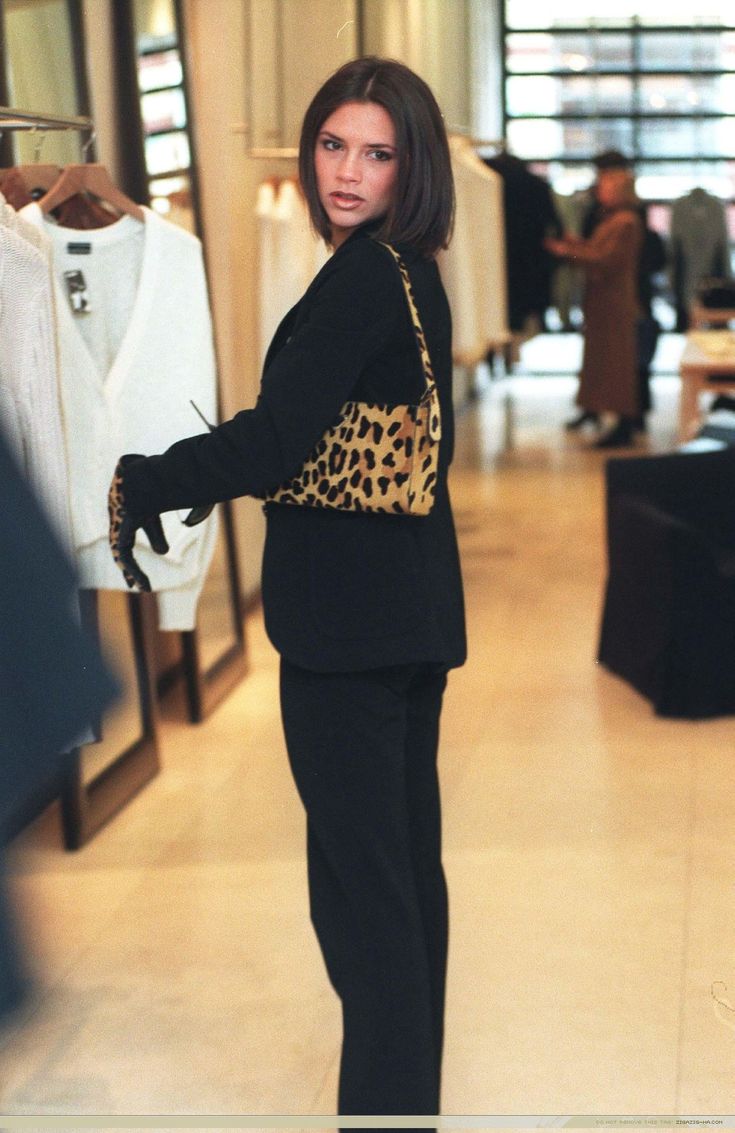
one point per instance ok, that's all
(416, 322)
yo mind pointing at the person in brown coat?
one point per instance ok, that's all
(608, 380)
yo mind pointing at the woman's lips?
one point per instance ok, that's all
(345, 200)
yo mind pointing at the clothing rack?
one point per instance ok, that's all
(284, 153)
(265, 153)
(12, 119)
(488, 143)
(477, 143)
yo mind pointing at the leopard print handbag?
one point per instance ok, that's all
(376, 458)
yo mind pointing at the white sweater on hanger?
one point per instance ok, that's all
(129, 366)
(30, 405)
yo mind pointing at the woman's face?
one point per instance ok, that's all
(612, 187)
(356, 165)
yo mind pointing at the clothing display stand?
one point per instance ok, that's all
(13, 119)
(87, 802)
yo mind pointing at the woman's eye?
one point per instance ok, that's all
(382, 155)
(330, 144)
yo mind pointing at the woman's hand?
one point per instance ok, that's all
(559, 247)
(124, 526)
(568, 245)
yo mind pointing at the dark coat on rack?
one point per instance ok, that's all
(341, 591)
(529, 215)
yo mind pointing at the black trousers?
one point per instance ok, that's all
(362, 748)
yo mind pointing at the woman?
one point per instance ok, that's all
(608, 382)
(365, 610)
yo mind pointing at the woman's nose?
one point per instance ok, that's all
(349, 169)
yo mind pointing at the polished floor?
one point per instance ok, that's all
(589, 851)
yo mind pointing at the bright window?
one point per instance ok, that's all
(648, 78)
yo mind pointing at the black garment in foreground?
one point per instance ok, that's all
(363, 750)
(529, 216)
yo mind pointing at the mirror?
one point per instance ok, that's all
(162, 171)
(103, 776)
(164, 116)
(44, 71)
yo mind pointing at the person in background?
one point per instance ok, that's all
(609, 257)
(651, 261)
(365, 609)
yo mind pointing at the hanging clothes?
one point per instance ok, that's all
(270, 309)
(289, 253)
(300, 247)
(699, 247)
(530, 216)
(473, 266)
(30, 404)
(567, 284)
(135, 347)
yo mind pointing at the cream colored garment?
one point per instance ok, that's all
(473, 267)
(270, 309)
(30, 404)
(290, 254)
(127, 375)
(302, 249)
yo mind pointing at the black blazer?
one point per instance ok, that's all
(341, 591)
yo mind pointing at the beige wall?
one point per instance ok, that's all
(101, 73)
(432, 37)
(228, 182)
(318, 36)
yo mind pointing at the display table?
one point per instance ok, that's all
(707, 364)
(710, 316)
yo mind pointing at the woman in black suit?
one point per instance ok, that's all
(366, 610)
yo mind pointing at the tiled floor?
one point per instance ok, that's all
(589, 851)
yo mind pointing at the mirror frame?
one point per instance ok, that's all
(87, 806)
(205, 686)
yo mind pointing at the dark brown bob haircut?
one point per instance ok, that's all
(423, 208)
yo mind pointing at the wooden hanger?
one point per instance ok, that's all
(34, 176)
(22, 184)
(90, 178)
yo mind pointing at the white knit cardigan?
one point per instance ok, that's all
(165, 358)
(30, 406)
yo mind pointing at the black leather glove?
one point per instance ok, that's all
(124, 525)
